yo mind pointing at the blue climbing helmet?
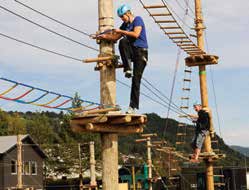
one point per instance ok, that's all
(123, 9)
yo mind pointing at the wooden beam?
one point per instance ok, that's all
(170, 27)
(105, 110)
(120, 120)
(140, 140)
(160, 14)
(178, 37)
(149, 135)
(182, 41)
(103, 128)
(138, 120)
(165, 21)
(84, 121)
(172, 33)
(154, 6)
(114, 129)
(98, 59)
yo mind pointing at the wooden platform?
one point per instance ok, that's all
(109, 123)
(210, 156)
(198, 60)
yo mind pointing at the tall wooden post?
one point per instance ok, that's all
(133, 178)
(19, 163)
(92, 165)
(80, 167)
(108, 96)
(203, 88)
(149, 162)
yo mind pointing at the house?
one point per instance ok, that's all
(32, 159)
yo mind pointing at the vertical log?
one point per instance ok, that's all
(19, 163)
(108, 96)
(203, 89)
(92, 164)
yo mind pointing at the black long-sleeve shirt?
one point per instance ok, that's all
(203, 121)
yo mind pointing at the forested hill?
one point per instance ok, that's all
(52, 132)
(242, 150)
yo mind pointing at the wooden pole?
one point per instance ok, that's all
(19, 163)
(133, 177)
(203, 89)
(149, 162)
(80, 164)
(108, 97)
(92, 165)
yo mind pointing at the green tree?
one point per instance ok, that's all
(76, 103)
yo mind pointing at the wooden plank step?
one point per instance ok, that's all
(187, 45)
(186, 89)
(216, 150)
(187, 71)
(170, 27)
(194, 51)
(183, 116)
(165, 21)
(182, 41)
(172, 33)
(219, 175)
(184, 98)
(181, 134)
(190, 48)
(219, 184)
(173, 169)
(160, 14)
(181, 125)
(179, 143)
(173, 178)
(178, 37)
(187, 80)
(184, 107)
(154, 6)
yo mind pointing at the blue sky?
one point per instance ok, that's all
(227, 25)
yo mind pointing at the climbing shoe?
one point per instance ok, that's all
(131, 110)
(128, 74)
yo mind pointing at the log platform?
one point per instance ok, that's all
(203, 59)
(210, 156)
(109, 123)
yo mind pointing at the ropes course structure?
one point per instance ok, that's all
(113, 124)
(57, 101)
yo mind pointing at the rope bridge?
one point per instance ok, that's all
(57, 101)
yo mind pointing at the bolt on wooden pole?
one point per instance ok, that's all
(109, 141)
(203, 89)
(93, 182)
(19, 163)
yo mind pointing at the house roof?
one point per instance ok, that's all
(9, 142)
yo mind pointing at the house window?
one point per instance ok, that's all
(26, 168)
(13, 167)
(33, 168)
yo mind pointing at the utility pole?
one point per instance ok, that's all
(93, 183)
(80, 168)
(19, 163)
(203, 89)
